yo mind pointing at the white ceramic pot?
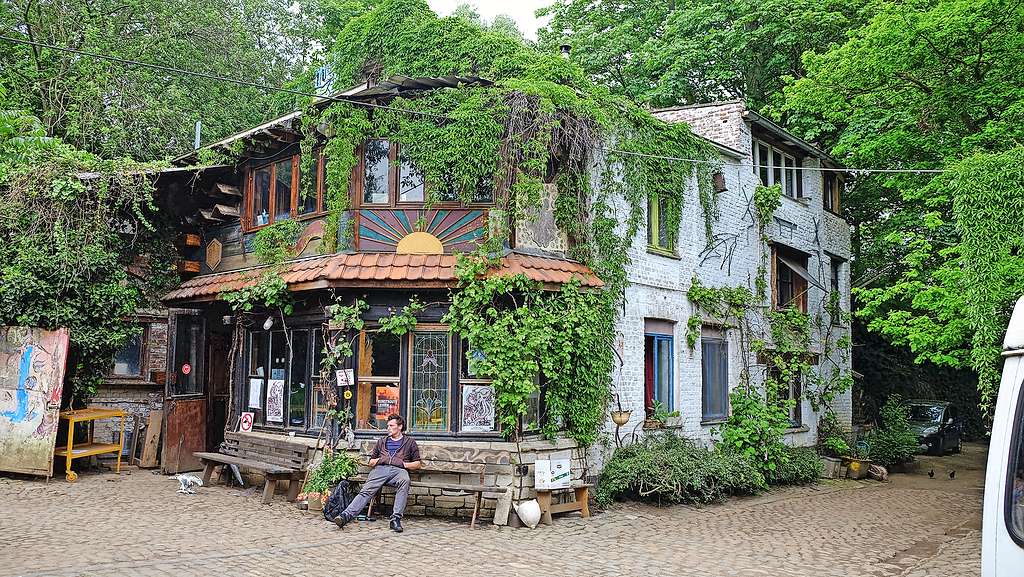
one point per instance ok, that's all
(529, 513)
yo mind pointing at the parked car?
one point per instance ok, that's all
(1002, 533)
(937, 425)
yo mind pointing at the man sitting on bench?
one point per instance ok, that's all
(392, 458)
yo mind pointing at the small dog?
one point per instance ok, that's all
(188, 484)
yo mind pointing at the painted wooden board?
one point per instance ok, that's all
(32, 363)
(150, 449)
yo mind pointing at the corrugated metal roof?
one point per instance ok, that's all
(380, 270)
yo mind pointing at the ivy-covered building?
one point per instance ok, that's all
(686, 343)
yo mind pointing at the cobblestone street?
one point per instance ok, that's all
(135, 524)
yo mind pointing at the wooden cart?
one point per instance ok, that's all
(90, 448)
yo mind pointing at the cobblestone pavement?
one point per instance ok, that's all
(135, 524)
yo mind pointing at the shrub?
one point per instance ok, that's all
(333, 468)
(755, 428)
(801, 468)
(894, 443)
(669, 469)
(832, 438)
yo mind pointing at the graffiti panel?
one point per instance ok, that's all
(32, 363)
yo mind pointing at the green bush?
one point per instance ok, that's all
(333, 468)
(802, 467)
(669, 469)
(894, 443)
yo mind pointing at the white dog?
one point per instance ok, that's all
(188, 484)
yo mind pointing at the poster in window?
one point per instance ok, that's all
(345, 377)
(275, 400)
(477, 408)
(255, 393)
(385, 401)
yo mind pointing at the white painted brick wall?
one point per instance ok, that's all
(658, 284)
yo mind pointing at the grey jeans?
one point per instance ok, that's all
(379, 476)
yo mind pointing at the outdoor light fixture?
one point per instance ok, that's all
(268, 323)
(565, 49)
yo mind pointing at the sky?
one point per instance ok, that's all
(520, 10)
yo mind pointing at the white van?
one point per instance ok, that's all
(1002, 549)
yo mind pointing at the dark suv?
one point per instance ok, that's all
(937, 425)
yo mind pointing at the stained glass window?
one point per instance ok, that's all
(429, 383)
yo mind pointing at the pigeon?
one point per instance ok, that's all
(952, 474)
(188, 484)
(931, 473)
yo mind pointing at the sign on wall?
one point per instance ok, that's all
(246, 424)
(275, 400)
(32, 362)
(477, 408)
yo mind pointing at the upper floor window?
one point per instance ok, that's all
(832, 185)
(282, 190)
(791, 277)
(386, 176)
(660, 236)
(774, 166)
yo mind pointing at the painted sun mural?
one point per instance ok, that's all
(427, 231)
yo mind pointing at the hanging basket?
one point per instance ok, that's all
(621, 417)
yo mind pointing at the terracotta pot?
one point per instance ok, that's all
(315, 502)
(652, 424)
(857, 468)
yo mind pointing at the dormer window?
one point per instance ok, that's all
(277, 190)
(386, 176)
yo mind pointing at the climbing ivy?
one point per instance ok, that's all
(522, 331)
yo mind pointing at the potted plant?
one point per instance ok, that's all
(857, 462)
(831, 452)
(335, 466)
(659, 414)
(674, 419)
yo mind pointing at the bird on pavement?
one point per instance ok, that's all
(952, 474)
(931, 473)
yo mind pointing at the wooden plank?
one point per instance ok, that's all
(248, 463)
(150, 449)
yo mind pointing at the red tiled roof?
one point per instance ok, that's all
(380, 270)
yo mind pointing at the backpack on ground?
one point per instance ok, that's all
(338, 501)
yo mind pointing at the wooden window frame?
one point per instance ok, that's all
(658, 340)
(797, 164)
(249, 222)
(452, 378)
(800, 284)
(708, 333)
(832, 185)
(653, 228)
(143, 376)
(357, 184)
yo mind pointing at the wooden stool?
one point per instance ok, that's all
(582, 494)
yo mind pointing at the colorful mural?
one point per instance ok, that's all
(455, 229)
(32, 363)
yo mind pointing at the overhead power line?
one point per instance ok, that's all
(269, 88)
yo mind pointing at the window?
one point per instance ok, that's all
(658, 361)
(377, 386)
(129, 360)
(835, 274)
(659, 236)
(793, 390)
(279, 191)
(791, 278)
(429, 381)
(714, 374)
(281, 381)
(832, 185)
(186, 371)
(388, 177)
(1014, 510)
(774, 166)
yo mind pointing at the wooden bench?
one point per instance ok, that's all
(581, 493)
(278, 460)
(449, 461)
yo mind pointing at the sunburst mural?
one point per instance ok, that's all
(455, 229)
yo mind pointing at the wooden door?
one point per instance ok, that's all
(217, 382)
(186, 398)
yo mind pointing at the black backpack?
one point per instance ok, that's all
(338, 501)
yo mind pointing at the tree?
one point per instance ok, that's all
(930, 84)
(666, 52)
(116, 110)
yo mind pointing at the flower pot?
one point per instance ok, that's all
(621, 417)
(315, 501)
(856, 468)
(830, 467)
(674, 421)
(652, 424)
